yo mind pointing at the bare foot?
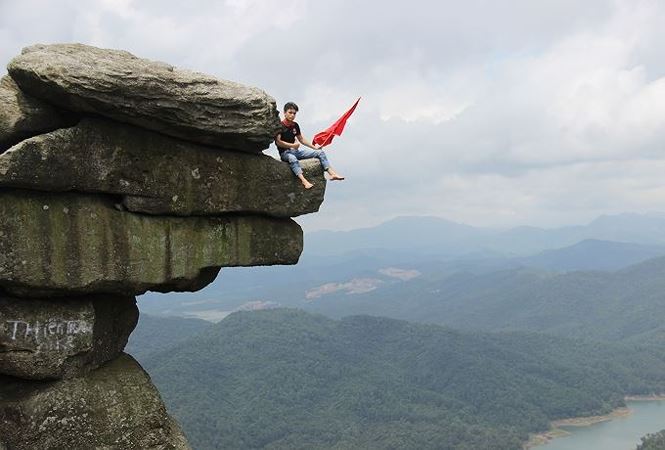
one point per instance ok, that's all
(335, 176)
(307, 185)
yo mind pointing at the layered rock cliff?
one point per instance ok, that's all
(120, 175)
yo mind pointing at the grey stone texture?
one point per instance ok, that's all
(114, 407)
(120, 175)
(60, 244)
(157, 174)
(47, 339)
(152, 95)
(22, 116)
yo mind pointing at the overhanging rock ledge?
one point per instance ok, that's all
(120, 175)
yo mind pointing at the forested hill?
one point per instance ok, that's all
(289, 379)
(628, 304)
(655, 441)
(153, 334)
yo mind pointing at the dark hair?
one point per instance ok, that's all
(290, 105)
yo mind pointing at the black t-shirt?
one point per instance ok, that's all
(288, 134)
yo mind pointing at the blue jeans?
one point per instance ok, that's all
(292, 156)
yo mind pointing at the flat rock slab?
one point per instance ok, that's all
(63, 244)
(157, 174)
(152, 95)
(46, 339)
(113, 407)
(22, 116)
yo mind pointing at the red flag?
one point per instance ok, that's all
(325, 137)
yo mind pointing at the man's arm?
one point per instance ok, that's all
(306, 142)
(280, 143)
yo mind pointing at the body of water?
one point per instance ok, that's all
(622, 433)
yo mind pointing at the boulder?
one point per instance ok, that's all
(152, 95)
(115, 406)
(66, 243)
(157, 174)
(45, 339)
(22, 116)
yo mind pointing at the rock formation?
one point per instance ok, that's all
(22, 116)
(120, 175)
(152, 95)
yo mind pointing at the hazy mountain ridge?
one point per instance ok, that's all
(626, 304)
(443, 236)
(288, 286)
(593, 254)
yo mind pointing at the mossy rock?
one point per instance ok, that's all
(150, 94)
(64, 244)
(22, 116)
(156, 174)
(47, 339)
(115, 406)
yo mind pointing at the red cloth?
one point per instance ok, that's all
(325, 137)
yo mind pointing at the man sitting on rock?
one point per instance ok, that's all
(289, 149)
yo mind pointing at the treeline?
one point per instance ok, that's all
(154, 334)
(623, 306)
(655, 441)
(288, 379)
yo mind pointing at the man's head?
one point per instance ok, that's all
(290, 110)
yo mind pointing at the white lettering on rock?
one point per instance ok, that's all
(54, 334)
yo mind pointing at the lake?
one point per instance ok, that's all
(622, 433)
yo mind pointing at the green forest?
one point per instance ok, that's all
(655, 441)
(285, 378)
(620, 306)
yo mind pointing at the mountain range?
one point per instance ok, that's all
(416, 245)
(507, 330)
(432, 235)
(287, 379)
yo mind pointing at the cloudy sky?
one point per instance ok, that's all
(517, 112)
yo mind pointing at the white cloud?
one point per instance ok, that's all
(494, 113)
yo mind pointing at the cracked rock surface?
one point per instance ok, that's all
(120, 175)
(156, 174)
(150, 94)
(115, 406)
(45, 339)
